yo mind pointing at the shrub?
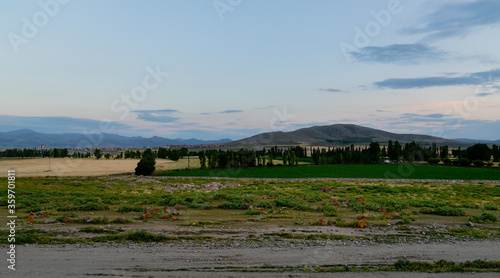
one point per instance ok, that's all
(253, 212)
(444, 210)
(237, 204)
(99, 220)
(265, 204)
(464, 162)
(291, 202)
(478, 163)
(489, 206)
(94, 206)
(433, 161)
(129, 208)
(120, 220)
(70, 215)
(329, 210)
(447, 161)
(485, 217)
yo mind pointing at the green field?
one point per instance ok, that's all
(393, 171)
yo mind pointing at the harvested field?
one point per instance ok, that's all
(39, 167)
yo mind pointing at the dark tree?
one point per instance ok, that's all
(146, 165)
(479, 152)
(98, 153)
(496, 153)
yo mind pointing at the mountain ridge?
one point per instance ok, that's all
(27, 138)
(337, 135)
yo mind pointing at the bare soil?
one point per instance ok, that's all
(218, 260)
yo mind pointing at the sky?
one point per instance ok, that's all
(213, 69)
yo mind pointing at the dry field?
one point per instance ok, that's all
(60, 167)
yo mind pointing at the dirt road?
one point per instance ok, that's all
(216, 260)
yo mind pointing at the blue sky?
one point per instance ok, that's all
(233, 68)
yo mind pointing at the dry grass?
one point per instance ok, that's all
(35, 167)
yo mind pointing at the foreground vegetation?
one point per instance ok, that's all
(103, 206)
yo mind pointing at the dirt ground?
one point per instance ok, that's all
(33, 167)
(209, 260)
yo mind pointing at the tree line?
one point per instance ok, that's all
(34, 153)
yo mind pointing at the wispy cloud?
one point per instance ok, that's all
(230, 111)
(456, 18)
(160, 116)
(400, 54)
(333, 90)
(475, 78)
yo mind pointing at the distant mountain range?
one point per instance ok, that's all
(338, 135)
(477, 141)
(27, 138)
(330, 135)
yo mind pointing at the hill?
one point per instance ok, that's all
(27, 138)
(337, 135)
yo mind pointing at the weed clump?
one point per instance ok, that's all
(485, 217)
(445, 210)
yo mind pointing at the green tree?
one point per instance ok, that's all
(97, 153)
(443, 152)
(146, 165)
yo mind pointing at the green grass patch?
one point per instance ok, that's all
(402, 171)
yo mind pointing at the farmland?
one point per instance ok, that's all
(253, 213)
(35, 167)
(378, 171)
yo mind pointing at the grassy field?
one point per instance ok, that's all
(402, 171)
(130, 208)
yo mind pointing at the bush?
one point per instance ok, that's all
(99, 220)
(129, 208)
(120, 220)
(485, 217)
(265, 204)
(447, 161)
(329, 210)
(433, 161)
(478, 163)
(489, 206)
(291, 202)
(464, 162)
(253, 212)
(444, 210)
(94, 206)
